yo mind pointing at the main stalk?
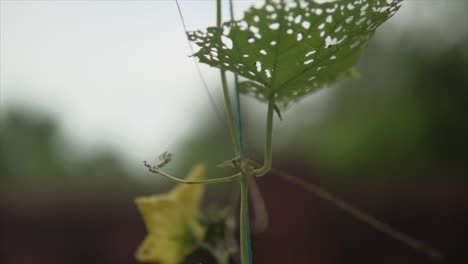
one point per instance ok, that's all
(235, 142)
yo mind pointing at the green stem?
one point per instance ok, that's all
(227, 99)
(268, 142)
(210, 181)
(243, 179)
(230, 115)
(244, 218)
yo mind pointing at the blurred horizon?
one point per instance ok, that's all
(71, 68)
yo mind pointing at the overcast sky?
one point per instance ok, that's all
(116, 72)
(110, 71)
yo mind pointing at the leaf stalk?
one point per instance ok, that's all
(268, 156)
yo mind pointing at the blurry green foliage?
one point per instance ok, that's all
(34, 156)
(374, 132)
(27, 149)
(409, 114)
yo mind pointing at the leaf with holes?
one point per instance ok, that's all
(288, 49)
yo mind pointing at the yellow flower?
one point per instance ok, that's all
(171, 220)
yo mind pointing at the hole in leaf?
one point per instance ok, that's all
(298, 19)
(384, 9)
(303, 4)
(243, 25)
(226, 41)
(307, 62)
(270, 8)
(263, 52)
(226, 30)
(359, 22)
(258, 64)
(251, 40)
(306, 24)
(364, 7)
(310, 53)
(330, 42)
(274, 26)
(254, 29)
(329, 19)
(299, 36)
(289, 31)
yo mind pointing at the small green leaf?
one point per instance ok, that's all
(289, 49)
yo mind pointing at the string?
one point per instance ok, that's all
(200, 75)
(241, 141)
(215, 108)
(359, 214)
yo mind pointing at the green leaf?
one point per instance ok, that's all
(289, 49)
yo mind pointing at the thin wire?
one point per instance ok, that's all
(362, 216)
(241, 142)
(215, 108)
(200, 75)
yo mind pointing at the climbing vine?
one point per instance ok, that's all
(284, 51)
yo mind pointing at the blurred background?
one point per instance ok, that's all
(89, 89)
